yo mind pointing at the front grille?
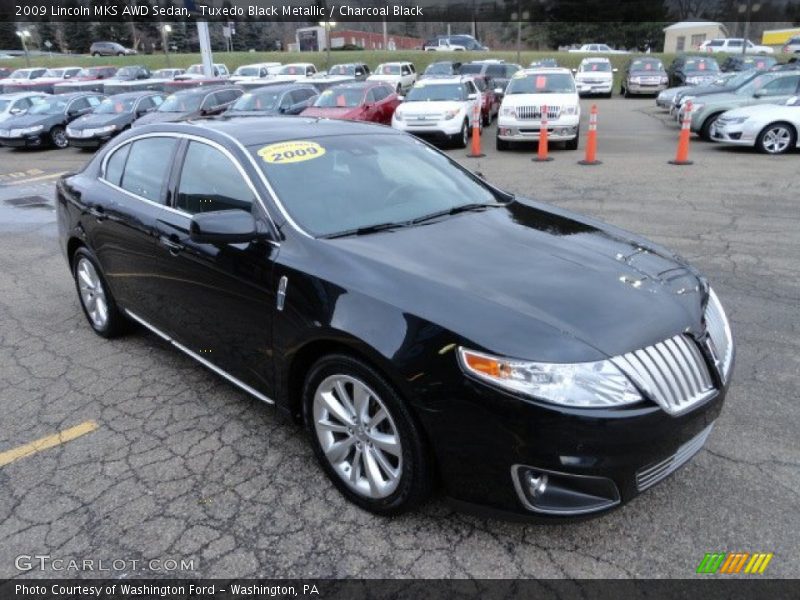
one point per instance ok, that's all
(719, 333)
(535, 112)
(673, 373)
(652, 474)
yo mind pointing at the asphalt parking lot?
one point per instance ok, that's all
(181, 465)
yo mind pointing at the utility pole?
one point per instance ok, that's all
(205, 48)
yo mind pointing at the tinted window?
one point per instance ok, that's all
(380, 92)
(226, 96)
(496, 70)
(781, 87)
(79, 104)
(147, 167)
(115, 164)
(210, 182)
(304, 94)
(145, 104)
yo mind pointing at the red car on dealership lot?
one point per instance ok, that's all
(490, 101)
(360, 101)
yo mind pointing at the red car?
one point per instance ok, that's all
(360, 101)
(490, 102)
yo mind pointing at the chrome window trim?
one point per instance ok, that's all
(196, 138)
(206, 363)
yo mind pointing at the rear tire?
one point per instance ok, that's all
(96, 300)
(776, 138)
(383, 466)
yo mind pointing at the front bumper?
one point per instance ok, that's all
(514, 130)
(733, 134)
(92, 142)
(585, 89)
(435, 129)
(485, 437)
(35, 140)
(645, 88)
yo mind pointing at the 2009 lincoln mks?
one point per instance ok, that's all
(427, 327)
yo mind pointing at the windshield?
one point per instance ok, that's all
(4, 105)
(437, 92)
(388, 69)
(54, 73)
(471, 69)
(595, 66)
(92, 72)
(47, 106)
(760, 62)
(734, 79)
(180, 104)
(266, 101)
(20, 74)
(340, 97)
(439, 69)
(542, 83)
(701, 64)
(164, 74)
(345, 182)
(195, 70)
(292, 70)
(647, 64)
(247, 71)
(111, 106)
(342, 70)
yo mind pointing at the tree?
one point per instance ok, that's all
(47, 33)
(9, 40)
(77, 34)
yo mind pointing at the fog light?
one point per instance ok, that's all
(551, 492)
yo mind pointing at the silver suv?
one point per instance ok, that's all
(110, 49)
(792, 46)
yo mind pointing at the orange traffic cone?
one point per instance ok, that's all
(475, 152)
(682, 155)
(541, 154)
(591, 140)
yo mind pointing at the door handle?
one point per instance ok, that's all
(97, 212)
(172, 245)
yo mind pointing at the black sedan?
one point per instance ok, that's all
(112, 116)
(280, 99)
(748, 62)
(425, 326)
(188, 104)
(46, 120)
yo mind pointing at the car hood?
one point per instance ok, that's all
(92, 121)
(570, 288)
(332, 112)
(23, 121)
(776, 111)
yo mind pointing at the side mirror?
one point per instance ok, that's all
(223, 227)
(759, 93)
(17, 111)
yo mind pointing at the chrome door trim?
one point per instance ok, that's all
(242, 385)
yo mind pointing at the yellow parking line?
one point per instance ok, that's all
(57, 439)
(32, 179)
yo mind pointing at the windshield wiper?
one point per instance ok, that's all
(366, 230)
(474, 207)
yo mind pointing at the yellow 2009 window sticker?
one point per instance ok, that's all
(291, 152)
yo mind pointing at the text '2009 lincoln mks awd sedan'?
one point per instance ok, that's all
(426, 327)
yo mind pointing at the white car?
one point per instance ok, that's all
(17, 103)
(441, 108)
(444, 45)
(770, 128)
(734, 46)
(528, 92)
(400, 75)
(595, 76)
(294, 72)
(255, 71)
(597, 49)
(198, 72)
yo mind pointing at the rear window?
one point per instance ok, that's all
(147, 166)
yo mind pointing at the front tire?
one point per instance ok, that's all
(705, 130)
(364, 436)
(97, 302)
(58, 137)
(462, 137)
(776, 138)
(501, 145)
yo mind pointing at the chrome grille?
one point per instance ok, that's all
(673, 373)
(719, 333)
(535, 112)
(652, 474)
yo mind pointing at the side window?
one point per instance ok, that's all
(209, 182)
(304, 94)
(405, 70)
(371, 99)
(781, 87)
(380, 92)
(79, 104)
(94, 101)
(23, 103)
(210, 101)
(226, 96)
(115, 164)
(286, 101)
(145, 104)
(148, 167)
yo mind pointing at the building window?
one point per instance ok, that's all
(680, 44)
(698, 39)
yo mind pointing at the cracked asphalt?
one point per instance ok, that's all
(185, 466)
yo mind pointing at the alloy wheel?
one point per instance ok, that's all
(776, 139)
(59, 138)
(93, 295)
(358, 436)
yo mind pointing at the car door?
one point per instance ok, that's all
(216, 299)
(120, 216)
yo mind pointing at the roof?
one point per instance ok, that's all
(251, 131)
(443, 79)
(278, 87)
(590, 59)
(127, 95)
(203, 90)
(12, 95)
(693, 25)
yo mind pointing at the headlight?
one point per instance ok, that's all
(106, 129)
(692, 80)
(570, 110)
(584, 385)
(636, 79)
(719, 331)
(398, 115)
(735, 120)
(451, 114)
(507, 111)
(664, 79)
(33, 129)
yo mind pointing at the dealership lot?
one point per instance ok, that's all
(181, 465)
